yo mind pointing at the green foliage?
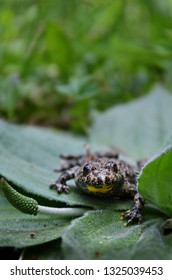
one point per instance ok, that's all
(140, 128)
(59, 60)
(157, 175)
(99, 233)
(92, 237)
(35, 151)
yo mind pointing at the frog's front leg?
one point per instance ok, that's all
(60, 184)
(135, 214)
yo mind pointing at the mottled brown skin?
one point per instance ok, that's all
(102, 174)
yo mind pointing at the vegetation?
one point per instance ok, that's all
(28, 156)
(60, 62)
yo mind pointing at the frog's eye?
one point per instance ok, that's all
(86, 169)
(113, 166)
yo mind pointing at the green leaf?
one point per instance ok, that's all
(140, 127)
(28, 157)
(20, 230)
(101, 235)
(156, 179)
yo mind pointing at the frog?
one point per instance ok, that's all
(102, 174)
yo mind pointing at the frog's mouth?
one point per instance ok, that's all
(99, 189)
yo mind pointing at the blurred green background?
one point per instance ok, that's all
(60, 60)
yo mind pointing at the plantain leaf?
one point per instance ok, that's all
(155, 181)
(28, 157)
(140, 127)
(101, 235)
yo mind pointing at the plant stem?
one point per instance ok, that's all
(61, 211)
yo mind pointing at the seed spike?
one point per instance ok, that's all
(21, 202)
(30, 206)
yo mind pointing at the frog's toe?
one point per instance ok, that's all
(132, 216)
(60, 188)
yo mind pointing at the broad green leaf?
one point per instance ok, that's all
(28, 156)
(140, 127)
(155, 181)
(101, 235)
(20, 230)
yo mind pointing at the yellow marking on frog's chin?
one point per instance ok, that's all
(102, 189)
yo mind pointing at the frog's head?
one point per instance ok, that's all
(99, 177)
